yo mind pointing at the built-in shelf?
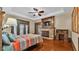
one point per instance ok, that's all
(48, 23)
(48, 27)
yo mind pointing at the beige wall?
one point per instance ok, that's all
(63, 22)
(32, 27)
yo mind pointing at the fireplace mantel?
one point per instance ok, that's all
(46, 29)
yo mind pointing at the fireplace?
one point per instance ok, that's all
(45, 33)
(62, 34)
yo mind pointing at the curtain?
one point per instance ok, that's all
(15, 30)
(21, 29)
(26, 29)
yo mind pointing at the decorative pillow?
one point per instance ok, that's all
(5, 39)
(12, 37)
(5, 33)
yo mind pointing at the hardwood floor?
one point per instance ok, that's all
(52, 45)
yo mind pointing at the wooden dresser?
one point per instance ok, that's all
(1, 19)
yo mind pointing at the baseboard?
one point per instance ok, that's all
(73, 46)
(69, 39)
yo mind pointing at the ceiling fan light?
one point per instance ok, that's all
(36, 13)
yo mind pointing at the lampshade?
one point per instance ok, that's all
(11, 22)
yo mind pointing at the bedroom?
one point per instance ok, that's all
(48, 28)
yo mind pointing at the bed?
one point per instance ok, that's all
(23, 42)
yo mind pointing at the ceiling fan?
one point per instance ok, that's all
(37, 12)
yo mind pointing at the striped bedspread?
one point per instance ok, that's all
(23, 42)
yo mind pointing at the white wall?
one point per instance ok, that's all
(75, 39)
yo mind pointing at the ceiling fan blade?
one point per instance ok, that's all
(31, 12)
(41, 11)
(35, 9)
(34, 15)
(39, 14)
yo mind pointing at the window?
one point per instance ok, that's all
(22, 27)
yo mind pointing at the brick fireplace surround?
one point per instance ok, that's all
(48, 33)
(62, 34)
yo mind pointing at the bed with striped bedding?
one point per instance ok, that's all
(23, 42)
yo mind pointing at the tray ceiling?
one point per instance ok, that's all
(48, 11)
